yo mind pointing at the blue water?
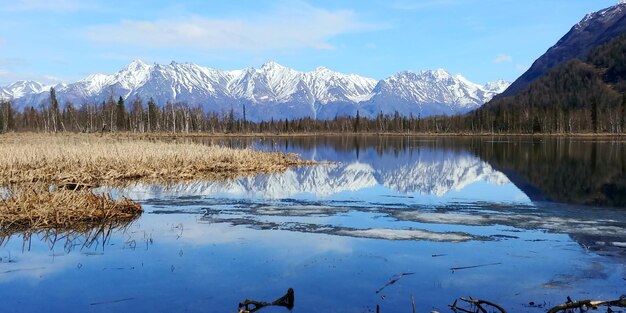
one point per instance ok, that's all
(335, 233)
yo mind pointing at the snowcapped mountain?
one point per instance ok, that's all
(21, 89)
(429, 93)
(271, 91)
(593, 30)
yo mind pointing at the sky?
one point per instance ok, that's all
(53, 41)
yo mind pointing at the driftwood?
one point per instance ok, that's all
(478, 306)
(588, 303)
(472, 266)
(393, 281)
(286, 301)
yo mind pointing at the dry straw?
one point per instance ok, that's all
(89, 159)
(33, 209)
(31, 165)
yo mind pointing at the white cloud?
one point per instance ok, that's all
(48, 5)
(502, 58)
(297, 26)
(418, 5)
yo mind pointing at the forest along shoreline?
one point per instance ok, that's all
(47, 180)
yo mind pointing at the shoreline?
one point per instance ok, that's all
(361, 134)
(50, 179)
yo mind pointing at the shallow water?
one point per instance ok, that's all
(542, 219)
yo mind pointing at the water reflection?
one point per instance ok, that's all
(387, 205)
(428, 172)
(568, 170)
(575, 171)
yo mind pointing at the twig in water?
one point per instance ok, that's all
(393, 281)
(478, 303)
(112, 301)
(473, 266)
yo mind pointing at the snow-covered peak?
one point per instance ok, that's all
(137, 65)
(272, 66)
(22, 88)
(271, 91)
(322, 69)
(438, 74)
(425, 93)
(498, 86)
(603, 15)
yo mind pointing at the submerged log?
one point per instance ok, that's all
(249, 306)
(588, 303)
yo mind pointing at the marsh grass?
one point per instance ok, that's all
(46, 180)
(31, 209)
(94, 160)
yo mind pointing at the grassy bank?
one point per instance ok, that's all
(95, 160)
(46, 179)
(31, 209)
(169, 135)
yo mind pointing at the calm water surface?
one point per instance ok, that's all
(542, 219)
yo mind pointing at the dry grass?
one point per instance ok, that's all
(90, 159)
(33, 209)
(32, 163)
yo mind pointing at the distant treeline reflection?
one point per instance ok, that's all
(586, 171)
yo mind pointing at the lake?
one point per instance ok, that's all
(523, 222)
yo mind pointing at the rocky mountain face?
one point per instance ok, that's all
(271, 91)
(594, 30)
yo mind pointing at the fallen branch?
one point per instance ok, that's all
(393, 281)
(286, 301)
(478, 303)
(589, 303)
(473, 266)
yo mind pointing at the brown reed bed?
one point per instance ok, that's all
(31, 209)
(94, 160)
(46, 180)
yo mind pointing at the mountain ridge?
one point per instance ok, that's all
(593, 30)
(270, 91)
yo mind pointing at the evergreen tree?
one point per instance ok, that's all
(153, 116)
(121, 115)
(245, 121)
(2, 122)
(357, 121)
(54, 110)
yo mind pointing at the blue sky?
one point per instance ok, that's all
(484, 40)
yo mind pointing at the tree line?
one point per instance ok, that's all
(504, 116)
(574, 97)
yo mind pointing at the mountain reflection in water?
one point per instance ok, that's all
(527, 183)
(545, 215)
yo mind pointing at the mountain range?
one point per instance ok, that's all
(271, 91)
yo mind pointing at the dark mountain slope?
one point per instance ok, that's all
(574, 96)
(594, 30)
